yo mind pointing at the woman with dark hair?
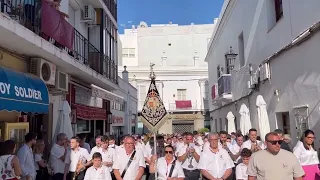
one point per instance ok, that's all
(307, 155)
(167, 167)
(9, 163)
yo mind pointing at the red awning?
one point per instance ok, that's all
(182, 104)
(89, 113)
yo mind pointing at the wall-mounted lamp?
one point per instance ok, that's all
(276, 93)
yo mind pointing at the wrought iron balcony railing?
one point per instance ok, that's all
(54, 28)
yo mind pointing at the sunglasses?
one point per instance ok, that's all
(168, 152)
(275, 142)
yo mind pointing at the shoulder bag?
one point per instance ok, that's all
(128, 164)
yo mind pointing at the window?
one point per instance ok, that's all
(128, 52)
(142, 95)
(241, 49)
(279, 9)
(219, 71)
(182, 93)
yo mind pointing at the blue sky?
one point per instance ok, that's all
(163, 11)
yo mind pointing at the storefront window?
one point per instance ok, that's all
(83, 126)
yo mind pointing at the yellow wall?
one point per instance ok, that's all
(18, 64)
(14, 62)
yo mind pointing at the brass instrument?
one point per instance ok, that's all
(79, 168)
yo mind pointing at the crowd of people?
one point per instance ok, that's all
(189, 156)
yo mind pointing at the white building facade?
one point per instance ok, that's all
(76, 58)
(270, 57)
(177, 53)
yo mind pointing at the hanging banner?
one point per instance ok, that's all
(153, 112)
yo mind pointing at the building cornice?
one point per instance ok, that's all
(223, 19)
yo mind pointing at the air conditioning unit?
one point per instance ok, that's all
(62, 81)
(45, 70)
(265, 72)
(89, 13)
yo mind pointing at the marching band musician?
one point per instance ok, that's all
(253, 144)
(77, 160)
(189, 156)
(107, 154)
(97, 171)
(97, 148)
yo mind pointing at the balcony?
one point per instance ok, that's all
(112, 6)
(58, 33)
(184, 105)
(224, 88)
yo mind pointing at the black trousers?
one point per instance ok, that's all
(191, 174)
(57, 176)
(79, 177)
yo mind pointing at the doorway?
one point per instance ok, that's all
(283, 122)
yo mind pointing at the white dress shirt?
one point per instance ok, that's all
(94, 150)
(26, 160)
(121, 159)
(235, 148)
(101, 173)
(73, 157)
(241, 172)
(215, 163)
(247, 144)
(108, 156)
(305, 157)
(55, 162)
(163, 169)
(186, 163)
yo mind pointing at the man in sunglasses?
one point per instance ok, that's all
(274, 163)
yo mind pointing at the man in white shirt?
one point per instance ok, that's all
(253, 144)
(189, 156)
(139, 144)
(97, 148)
(215, 163)
(26, 157)
(120, 166)
(57, 156)
(76, 161)
(235, 149)
(198, 139)
(112, 142)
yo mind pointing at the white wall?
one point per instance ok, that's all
(294, 73)
(182, 68)
(129, 40)
(129, 93)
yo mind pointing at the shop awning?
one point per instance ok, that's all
(182, 104)
(22, 92)
(104, 94)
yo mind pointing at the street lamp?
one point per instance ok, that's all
(230, 60)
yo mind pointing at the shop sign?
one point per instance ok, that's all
(185, 116)
(133, 121)
(84, 97)
(117, 120)
(28, 93)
